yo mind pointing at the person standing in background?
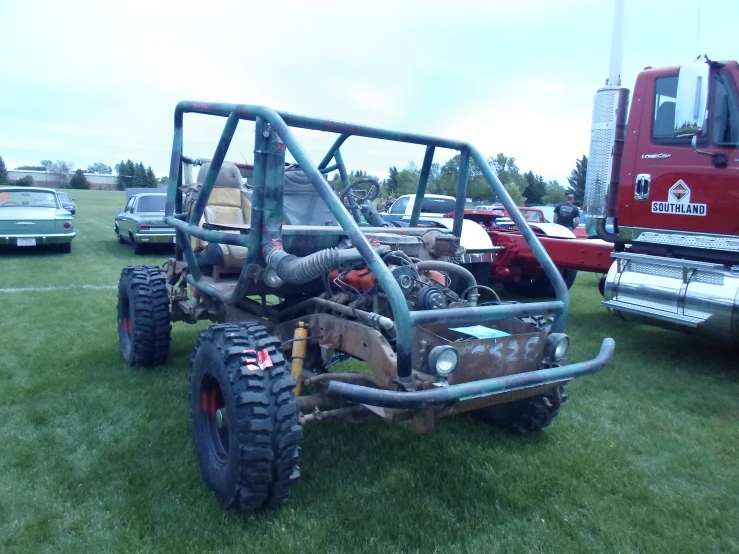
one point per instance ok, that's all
(567, 214)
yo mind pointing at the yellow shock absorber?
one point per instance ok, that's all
(299, 347)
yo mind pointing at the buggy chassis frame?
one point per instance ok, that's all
(272, 137)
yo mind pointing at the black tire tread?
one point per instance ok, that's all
(267, 416)
(151, 325)
(524, 416)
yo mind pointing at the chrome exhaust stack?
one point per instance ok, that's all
(607, 132)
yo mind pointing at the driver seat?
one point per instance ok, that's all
(301, 203)
(229, 204)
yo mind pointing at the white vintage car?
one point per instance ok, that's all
(474, 238)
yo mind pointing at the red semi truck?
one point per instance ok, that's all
(669, 179)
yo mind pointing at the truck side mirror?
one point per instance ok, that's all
(692, 99)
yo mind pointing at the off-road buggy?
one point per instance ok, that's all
(298, 277)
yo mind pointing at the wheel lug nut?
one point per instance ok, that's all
(221, 419)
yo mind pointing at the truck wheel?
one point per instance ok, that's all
(539, 286)
(245, 416)
(524, 416)
(144, 325)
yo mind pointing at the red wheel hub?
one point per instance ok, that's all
(211, 401)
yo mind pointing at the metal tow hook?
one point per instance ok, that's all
(425, 425)
(552, 406)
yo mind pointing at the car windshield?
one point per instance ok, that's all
(151, 203)
(437, 205)
(27, 198)
(533, 216)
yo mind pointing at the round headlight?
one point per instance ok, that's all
(557, 346)
(443, 359)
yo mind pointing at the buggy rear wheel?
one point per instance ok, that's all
(144, 326)
(524, 416)
(539, 286)
(245, 416)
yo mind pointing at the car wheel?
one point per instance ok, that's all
(245, 416)
(66, 248)
(144, 326)
(118, 236)
(136, 248)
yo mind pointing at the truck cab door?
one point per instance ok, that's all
(675, 188)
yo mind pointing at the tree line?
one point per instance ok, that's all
(135, 175)
(523, 187)
(130, 174)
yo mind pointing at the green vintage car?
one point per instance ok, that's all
(141, 222)
(34, 216)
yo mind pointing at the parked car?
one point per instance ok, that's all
(545, 214)
(34, 216)
(67, 202)
(141, 222)
(474, 238)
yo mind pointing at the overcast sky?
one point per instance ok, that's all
(98, 81)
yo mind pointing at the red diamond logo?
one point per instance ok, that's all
(679, 190)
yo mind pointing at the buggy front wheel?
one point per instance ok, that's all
(245, 416)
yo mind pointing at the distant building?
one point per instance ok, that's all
(51, 180)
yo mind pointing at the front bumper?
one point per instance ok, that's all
(159, 237)
(53, 238)
(468, 391)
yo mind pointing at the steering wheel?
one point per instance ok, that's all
(373, 192)
(356, 204)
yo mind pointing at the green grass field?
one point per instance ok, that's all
(97, 457)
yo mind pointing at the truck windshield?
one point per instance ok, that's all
(151, 203)
(725, 111)
(437, 205)
(27, 198)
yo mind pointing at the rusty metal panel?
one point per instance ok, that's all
(520, 352)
